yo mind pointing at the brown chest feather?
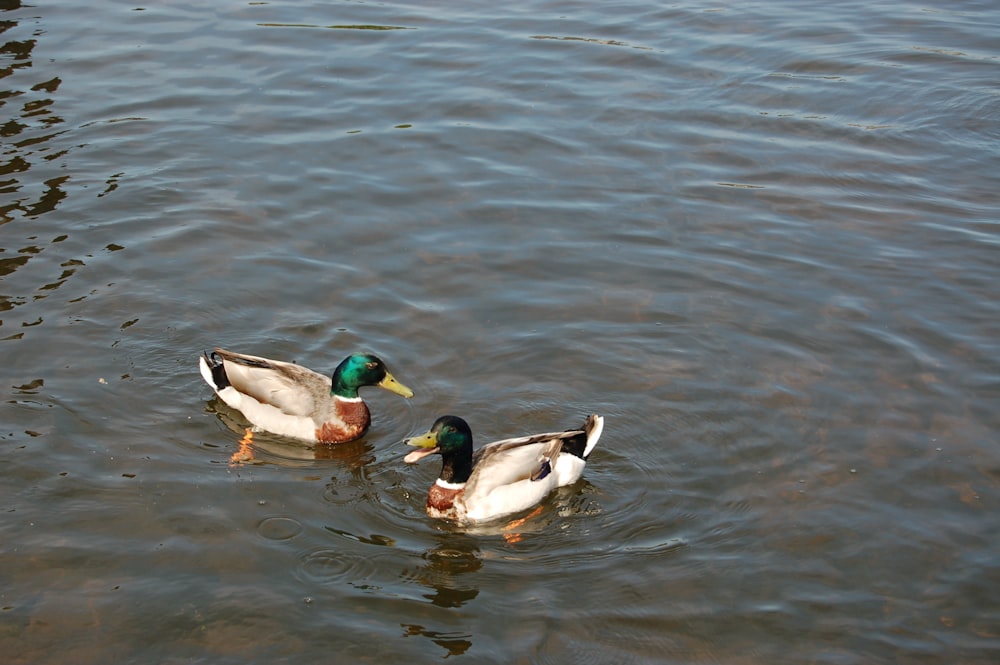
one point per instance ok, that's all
(442, 499)
(353, 420)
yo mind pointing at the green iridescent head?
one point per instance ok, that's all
(364, 369)
(450, 434)
(452, 438)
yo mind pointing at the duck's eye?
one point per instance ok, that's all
(371, 365)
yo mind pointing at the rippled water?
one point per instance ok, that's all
(762, 240)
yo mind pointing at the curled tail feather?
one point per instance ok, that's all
(213, 370)
(593, 428)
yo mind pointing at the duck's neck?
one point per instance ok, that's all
(457, 467)
(353, 412)
(343, 390)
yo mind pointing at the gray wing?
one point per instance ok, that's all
(507, 444)
(510, 460)
(294, 389)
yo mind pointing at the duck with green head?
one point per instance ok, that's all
(290, 400)
(503, 477)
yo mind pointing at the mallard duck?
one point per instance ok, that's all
(503, 477)
(287, 399)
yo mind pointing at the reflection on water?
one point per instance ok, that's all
(26, 135)
(443, 568)
(449, 572)
(455, 643)
(371, 539)
(34, 176)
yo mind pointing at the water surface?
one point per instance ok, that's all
(761, 240)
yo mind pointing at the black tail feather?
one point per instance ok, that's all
(575, 445)
(218, 368)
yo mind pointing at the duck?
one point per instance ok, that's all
(503, 477)
(293, 401)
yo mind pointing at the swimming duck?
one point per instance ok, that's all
(289, 400)
(503, 477)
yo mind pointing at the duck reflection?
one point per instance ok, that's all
(455, 643)
(443, 572)
(454, 556)
(264, 448)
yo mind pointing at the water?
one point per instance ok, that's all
(761, 240)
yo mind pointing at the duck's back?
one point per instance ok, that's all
(293, 389)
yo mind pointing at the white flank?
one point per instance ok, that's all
(232, 397)
(568, 469)
(270, 418)
(509, 499)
